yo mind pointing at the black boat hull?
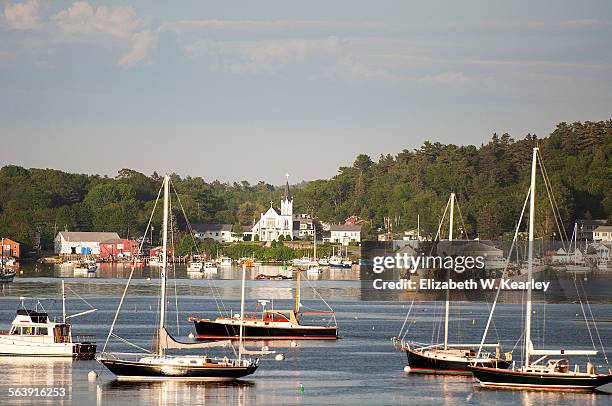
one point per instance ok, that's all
(131, 370)
(209, 329)
(508, 379)
(421, 364)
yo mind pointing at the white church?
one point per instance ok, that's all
(274, 223)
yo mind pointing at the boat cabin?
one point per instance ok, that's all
(36, 326)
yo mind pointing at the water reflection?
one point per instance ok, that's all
(34, 372)
(238, 392)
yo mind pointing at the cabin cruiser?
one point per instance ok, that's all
(32, 333)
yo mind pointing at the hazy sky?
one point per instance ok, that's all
(234, 90)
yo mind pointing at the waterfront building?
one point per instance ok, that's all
(345, 233)
(81, 242)
(10, 248)
(603, 234)
(118, 248)
(217, 232)
(587, 227)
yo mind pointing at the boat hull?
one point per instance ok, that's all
(422, 364)
(209, 329)
(135, 371)
(13, 346)
(508, 379)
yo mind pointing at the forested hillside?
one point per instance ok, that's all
(490, 182)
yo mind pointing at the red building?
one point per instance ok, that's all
(157, 252)
(10, 248)
(118, 248)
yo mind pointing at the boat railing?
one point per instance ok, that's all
(80, 338)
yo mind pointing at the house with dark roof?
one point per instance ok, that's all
(81, 242)
(218, 232)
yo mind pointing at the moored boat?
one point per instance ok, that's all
(267, 324)
(34, 334)
(556, 374)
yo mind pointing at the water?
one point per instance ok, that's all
(362, 368)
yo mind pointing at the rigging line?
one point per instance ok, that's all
(77, 295)
(399, 335)
(461, 218)
(127, 285)
(317, 294)
(192, 234)
(603, 349)
(553, 201)
(130, 343)
(173, 267)
(516, 231)
(584, 315)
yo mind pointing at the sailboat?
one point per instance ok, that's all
(161, 366)
(314, 268)
(556, 374)
(267, 324)
(446, 358)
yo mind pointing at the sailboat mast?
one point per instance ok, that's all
(162, 307)
(63, 303)
(314, 241)
(450, 239)
(297, 291)
(530, 255)
(241, 312)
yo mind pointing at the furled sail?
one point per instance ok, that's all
(166, 341)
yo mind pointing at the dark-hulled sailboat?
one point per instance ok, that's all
(556, 374)
(445, 358)
(161, 366)
(268, 324)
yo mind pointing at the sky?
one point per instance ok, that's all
(245, 90)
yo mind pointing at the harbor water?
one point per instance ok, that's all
(361, 368)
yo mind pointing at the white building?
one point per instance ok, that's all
(274, 223)
(81, 242)
(603, 234)
(587, 227)
(218, 232)
(303, 226)
(345, 233)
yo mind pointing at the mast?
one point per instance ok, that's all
(297, 291)
(314, 241)
(63, 303)
(418, 227)
(530, 255)
(450, 239)
(241, 313)
(162, 276)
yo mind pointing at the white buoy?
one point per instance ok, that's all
(293, 344)
(279, 357)
(191, 335)
(92, 375)
(372, 327)
(406, 368)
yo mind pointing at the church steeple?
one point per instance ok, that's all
(287, 192)
(287, 200)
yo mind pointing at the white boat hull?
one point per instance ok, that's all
(25, 347)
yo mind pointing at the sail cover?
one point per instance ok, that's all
(166, 341)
